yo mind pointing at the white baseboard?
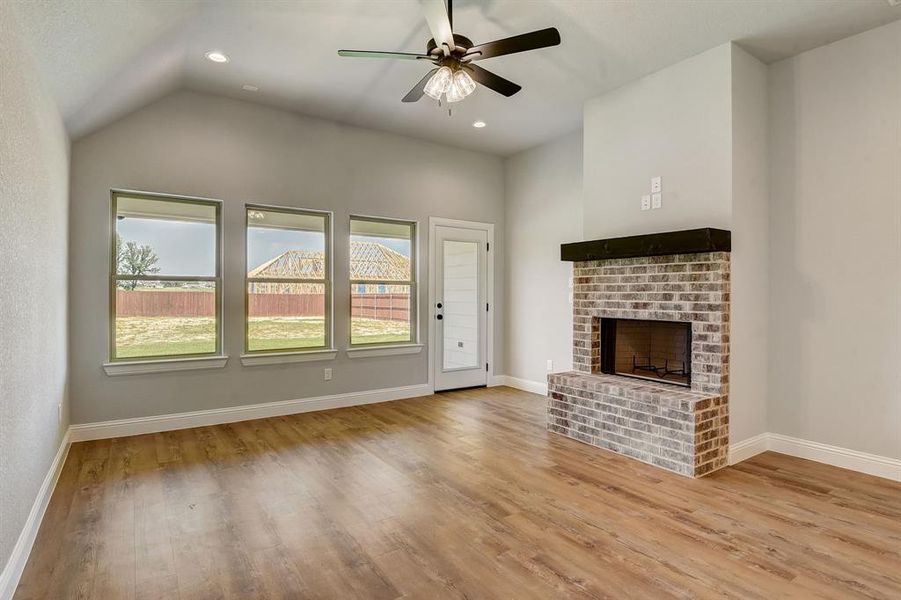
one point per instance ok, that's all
(745, 449)
(526, 385)
(12, 572)
(201, 418)
(862, 462)
(496, 380)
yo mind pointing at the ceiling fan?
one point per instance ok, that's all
(455, 76)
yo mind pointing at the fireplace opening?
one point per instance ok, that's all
(654, 350)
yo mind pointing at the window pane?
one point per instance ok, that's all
(381, 250)
(165, 318)
(285, 316)
(165, 237)
(461, 305)
(286, 245)
(379, 318)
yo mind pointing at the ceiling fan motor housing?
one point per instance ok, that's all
(461, 42)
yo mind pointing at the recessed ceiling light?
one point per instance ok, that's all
(217, 57)
(250, 88)
(478, 124)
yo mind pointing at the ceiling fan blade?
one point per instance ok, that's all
(436, 16)
(418, 90)
(371, 54)
(495, 82)
(518, 43)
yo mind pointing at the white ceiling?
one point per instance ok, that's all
(104, 58)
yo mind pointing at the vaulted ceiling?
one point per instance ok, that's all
(104, 58)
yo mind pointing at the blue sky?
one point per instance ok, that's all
(186, 248)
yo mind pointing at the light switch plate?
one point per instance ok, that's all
(327, 374)
(645, 202)
(656, 200)
(656, 182)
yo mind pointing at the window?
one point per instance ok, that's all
(289, 291)
(383, 275)
(165, 282)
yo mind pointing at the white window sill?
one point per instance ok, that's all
(388, 350)
(282, 358)
(164, 365)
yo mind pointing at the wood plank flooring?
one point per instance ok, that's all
(459, 495)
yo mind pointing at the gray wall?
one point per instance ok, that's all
(543, 190)
(201, 145)
(675, 123)
(749, 335)
(835, 233)
(33, 247)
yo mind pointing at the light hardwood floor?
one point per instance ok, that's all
(460, 495)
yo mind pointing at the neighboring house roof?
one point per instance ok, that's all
(368, 260)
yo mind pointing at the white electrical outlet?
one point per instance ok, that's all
(646, 202)
(656, 200)
(655, 184)
(327, 374)
(550, 366)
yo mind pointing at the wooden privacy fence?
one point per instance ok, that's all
(162, 303)
(385, 307)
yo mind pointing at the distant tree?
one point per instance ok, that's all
(132, 259)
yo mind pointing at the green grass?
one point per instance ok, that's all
(146, 337)
(285, 333)
(142, 337)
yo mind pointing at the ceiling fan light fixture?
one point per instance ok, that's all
(460, 87)
(439, 83)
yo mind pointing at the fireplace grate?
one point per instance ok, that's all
(661, 372)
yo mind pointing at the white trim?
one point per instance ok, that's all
(745, 449)
(282, 358)
(871, 464)
(384, 350)
(526, 385)
(217, 416)
(845, 458)
(497, 380)
(12, 572)
(139, 367)
(489, 320)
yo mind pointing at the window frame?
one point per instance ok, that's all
(327, 282)
(114, 276)
(412, 282)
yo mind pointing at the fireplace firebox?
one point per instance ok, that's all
(653, 350)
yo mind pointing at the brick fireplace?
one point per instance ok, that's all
(650, 350)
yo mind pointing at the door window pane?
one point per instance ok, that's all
(461, 305)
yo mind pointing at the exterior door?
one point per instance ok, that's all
(461, 307)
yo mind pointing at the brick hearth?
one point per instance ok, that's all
(681, 430)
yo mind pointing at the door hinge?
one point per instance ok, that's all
(486, 367)
(486, 307)
(487, 246)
